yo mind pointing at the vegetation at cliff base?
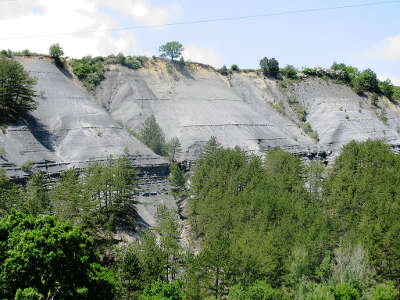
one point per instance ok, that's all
(272, 227)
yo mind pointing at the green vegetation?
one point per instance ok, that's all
(289, 71)
(171, 49)
(261, 228)
(89, 70)
(225, 71)
(152, 135)
(56, 51)
(27, 166)
(235, 68)
(396, 93)
(17, 95)
(47, 258)
(269, 66)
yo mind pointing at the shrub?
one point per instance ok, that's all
(383, 291)
(235, 68)
(374, 99)
(224, 71)
(368, 81)
(27, 166)
(345, 291)
(386, 88)
(89, 70)
(290, 72)
(2, 152)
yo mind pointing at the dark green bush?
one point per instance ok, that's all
(224, 71)
(235, 68)
(290, 72)
(386, 88)
(89, 70)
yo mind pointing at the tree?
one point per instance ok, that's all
(56, 51)
(178, 181)
(269, 66)
(36, 198)
(168, 230)
(386, 88)
(368, 81)
(52, 258)
(172, 49)
(152, 135)
(173, 148)
(17, 95)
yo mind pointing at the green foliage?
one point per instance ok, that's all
(17, 95)
(159, 290)
(235, 68)
(383, 291)
(396, 93)
(224, 71)
(368, 81)
(350, 73)
(6, 53)
(51, 258)
(56, 51)
(257, 291)
(374, 99)
(345, 291)
(36, 196)
(89, 70)
(173, 149)
(177, 180)
(386, 88)
(152, 135)
(171, 49)
(270, 66)
(28, 294)
(361, 195)
(289, 71)
(131, 62)
(27, 166)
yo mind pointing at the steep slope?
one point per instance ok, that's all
(195, 102)
(340, 115)
(68, 128)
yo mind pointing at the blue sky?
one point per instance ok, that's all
(362, 36)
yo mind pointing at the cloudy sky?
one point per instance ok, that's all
(367, 37)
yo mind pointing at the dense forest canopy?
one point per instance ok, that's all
(272, 227)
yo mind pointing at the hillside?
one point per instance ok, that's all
(73, 127)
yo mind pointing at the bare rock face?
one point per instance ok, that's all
(194, 103)
(68, 129)
(71, 128)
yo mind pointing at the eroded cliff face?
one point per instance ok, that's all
(72, 128)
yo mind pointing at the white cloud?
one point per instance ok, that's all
(394, 79)
(388, 49)
(206, 56)
(49, 18)
(17, 8)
